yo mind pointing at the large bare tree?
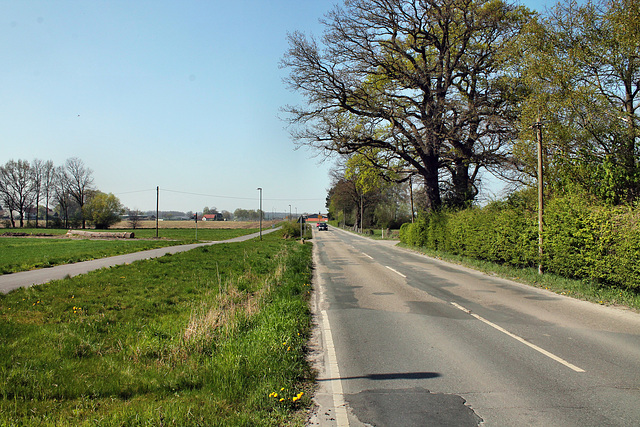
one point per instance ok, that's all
(417, 79)
(81, 182)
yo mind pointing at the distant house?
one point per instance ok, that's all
(213, 217)
(317, 218)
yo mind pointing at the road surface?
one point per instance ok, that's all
(9, 282)
(406, 340)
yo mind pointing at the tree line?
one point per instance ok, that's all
(438, 91)
(29, 189)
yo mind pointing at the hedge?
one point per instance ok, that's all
(581, 240)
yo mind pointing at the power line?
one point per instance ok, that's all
(218, 196)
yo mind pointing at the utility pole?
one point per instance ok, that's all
(411, 195)
(157, 208)
(260, 189)
(538, 126)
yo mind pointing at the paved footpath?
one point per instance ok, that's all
(24, 279)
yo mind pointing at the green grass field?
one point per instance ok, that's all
(209, 337)
(21, 254)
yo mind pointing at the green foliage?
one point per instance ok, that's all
(578, 65)
(581, 240)
(103, 210)
(291, 230)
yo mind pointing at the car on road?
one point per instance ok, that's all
(323, 226)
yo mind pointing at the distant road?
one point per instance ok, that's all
(407, 340)
(9, 282)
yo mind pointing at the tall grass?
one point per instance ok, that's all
(206, 337)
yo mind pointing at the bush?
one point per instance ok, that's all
(580, 240)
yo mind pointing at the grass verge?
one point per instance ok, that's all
(213, 336)
(587, 290)
(22, 254)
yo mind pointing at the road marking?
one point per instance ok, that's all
(522, 340)
(395, 271)
(334, 374)
(368, 256)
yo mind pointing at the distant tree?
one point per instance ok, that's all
(81, 183)
(48, 185)
(207, 210)
(62, 193)
(228, 216)
(16, 188)
(103, 210)
(240, 214)
(37, 177)
(135, 217)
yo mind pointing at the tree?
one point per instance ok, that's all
(135, 217)
(581, 65)
(48, 184)
(37, 177)
(81, 182)
(16, 188)
(418, 80)
(62, 193)
(103, 210)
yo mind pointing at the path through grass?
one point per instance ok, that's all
(24, 253)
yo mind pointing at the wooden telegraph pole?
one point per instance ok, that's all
(538, 127)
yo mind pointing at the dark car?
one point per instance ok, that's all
(323, 226)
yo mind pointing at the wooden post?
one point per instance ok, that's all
(538, 126)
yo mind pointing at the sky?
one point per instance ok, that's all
(181, 95)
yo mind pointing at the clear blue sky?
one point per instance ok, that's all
(184, 95)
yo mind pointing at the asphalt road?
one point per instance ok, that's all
(9, 282)
(406, 340)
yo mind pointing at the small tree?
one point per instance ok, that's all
(135, 216)
(103, 210)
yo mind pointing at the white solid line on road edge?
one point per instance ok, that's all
(368, 256)
(396, 271)
(334, 374)
(522, 340)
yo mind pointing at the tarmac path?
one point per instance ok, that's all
(24, 279)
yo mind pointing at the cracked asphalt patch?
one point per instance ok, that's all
(419, 407)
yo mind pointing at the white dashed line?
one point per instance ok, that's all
(522, 340)
(368, 256)
(395, 271)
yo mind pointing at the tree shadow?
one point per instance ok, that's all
(390, 376)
